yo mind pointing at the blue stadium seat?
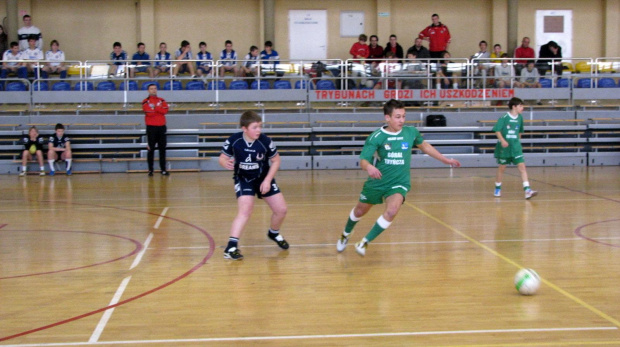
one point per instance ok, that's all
(195, 85)
(545, 83)
(106, 85)
(61, 86)
(263, 85)
(131, 85)
(584, 83)
(84, 85)
(220, 85)
(282, 85)
(302, 84)
(40, 86)
(238, 85)
(606, 83)
(325, 85)
(16, 87)
(563, 83)
(176, 85)
(146, 85)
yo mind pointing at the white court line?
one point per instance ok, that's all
(309, 337)
(142, 251)
(108, 313)
(161, 218)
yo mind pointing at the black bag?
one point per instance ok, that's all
(435, 120)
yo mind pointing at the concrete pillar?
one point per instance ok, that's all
(14, 22)
(145, 11)
(611, 27)
(499, 25)
(384, 20)
(269, 23)
(513, 26)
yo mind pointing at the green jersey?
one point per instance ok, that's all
(509, 127)
(390, 153)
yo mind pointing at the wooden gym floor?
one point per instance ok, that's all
(124, 259)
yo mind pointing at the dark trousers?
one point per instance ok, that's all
(156, 135)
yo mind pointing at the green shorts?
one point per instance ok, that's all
(374, 196)
(511, 160)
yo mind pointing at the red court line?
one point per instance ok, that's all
(135, 242)
(182, 276)
(580, 234)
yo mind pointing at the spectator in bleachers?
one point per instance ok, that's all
(522, 54)
(59, 148)
(417, 70)
(33, 146)
(184, 53)
(155, 110)
(481, 67)
(140, 61)
(438, 36)
(444, 75)
(249, 68)
(530, 76)
(504, 74)
(4, 40)
(162, 61)
(119, 56)
(360, 50)
(28, 29)
(9, 65)
(228, 59)
(420, 51)
(549, 54)
(205, 60)
(386, 69)
(32, 53)
(394, 47)
(55, 64)
(271, 56)
(497, 53)
(375, 51)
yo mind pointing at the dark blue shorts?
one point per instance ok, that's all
(244, 187)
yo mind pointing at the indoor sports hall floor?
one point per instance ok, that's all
(124, 259)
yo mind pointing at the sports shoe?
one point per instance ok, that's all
(498, 192)
(233, 254)
(52, 173)
(530, 193)
(42, 173)
(22, 174)
(165, 173)
(360, 248)
(279, 240)
(69, 173)
(342, 242)
(150, 173)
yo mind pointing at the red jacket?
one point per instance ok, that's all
(359, 49)
(521, 52)
(155, 109)
(439, 37)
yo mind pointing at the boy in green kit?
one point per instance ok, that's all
(508, 149)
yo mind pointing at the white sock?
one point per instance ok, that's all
(526, 184)
(51, 162)
(498, 184)
(352, 216)
(24, 168)
(42, 168)
(68, 164)
(383, 222)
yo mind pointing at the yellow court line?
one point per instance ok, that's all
(510, 261)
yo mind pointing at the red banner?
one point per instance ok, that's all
(413, 94)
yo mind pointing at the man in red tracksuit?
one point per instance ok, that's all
(438, 35)
(155, 109)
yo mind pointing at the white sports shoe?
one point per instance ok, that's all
(360, 248)
(530, 193)
(342, 242)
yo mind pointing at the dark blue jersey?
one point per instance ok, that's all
(38, 142)
(251, 158)
(59, 142)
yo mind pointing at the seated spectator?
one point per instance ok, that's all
(32, 53)
(414, 68)
(10, 65)
(522, 54)
(444, 76)
(360, 52)
(184, 53)
(420, 51)
(394, 47)
(530, 76)
(162, 61)
(33, 146)
(271, 56)
(481, 65)
(505, 74)
(4, 40)
(228, 59)
(141, 62)
(119, 56)
(205, 60)
(59, 148)
(26, 31)
(549, 54)
(375, 51)
(497, 53)
(55, 61)
(249, 68)
(386, 69)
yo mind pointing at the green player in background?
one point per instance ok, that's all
(508, 150)
(386, 157)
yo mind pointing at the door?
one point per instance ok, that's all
(308, 34)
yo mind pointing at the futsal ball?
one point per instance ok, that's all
(33, 149)
(527, 281)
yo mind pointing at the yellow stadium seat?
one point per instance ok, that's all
(583, 67)
(568, 67)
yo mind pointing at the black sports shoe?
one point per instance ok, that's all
(233, 254)
(165, 173)
(278, 239)
(150, 173)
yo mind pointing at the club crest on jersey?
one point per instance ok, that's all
(387, 147)
(508, 126)
(259, 156)
(404, 145)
